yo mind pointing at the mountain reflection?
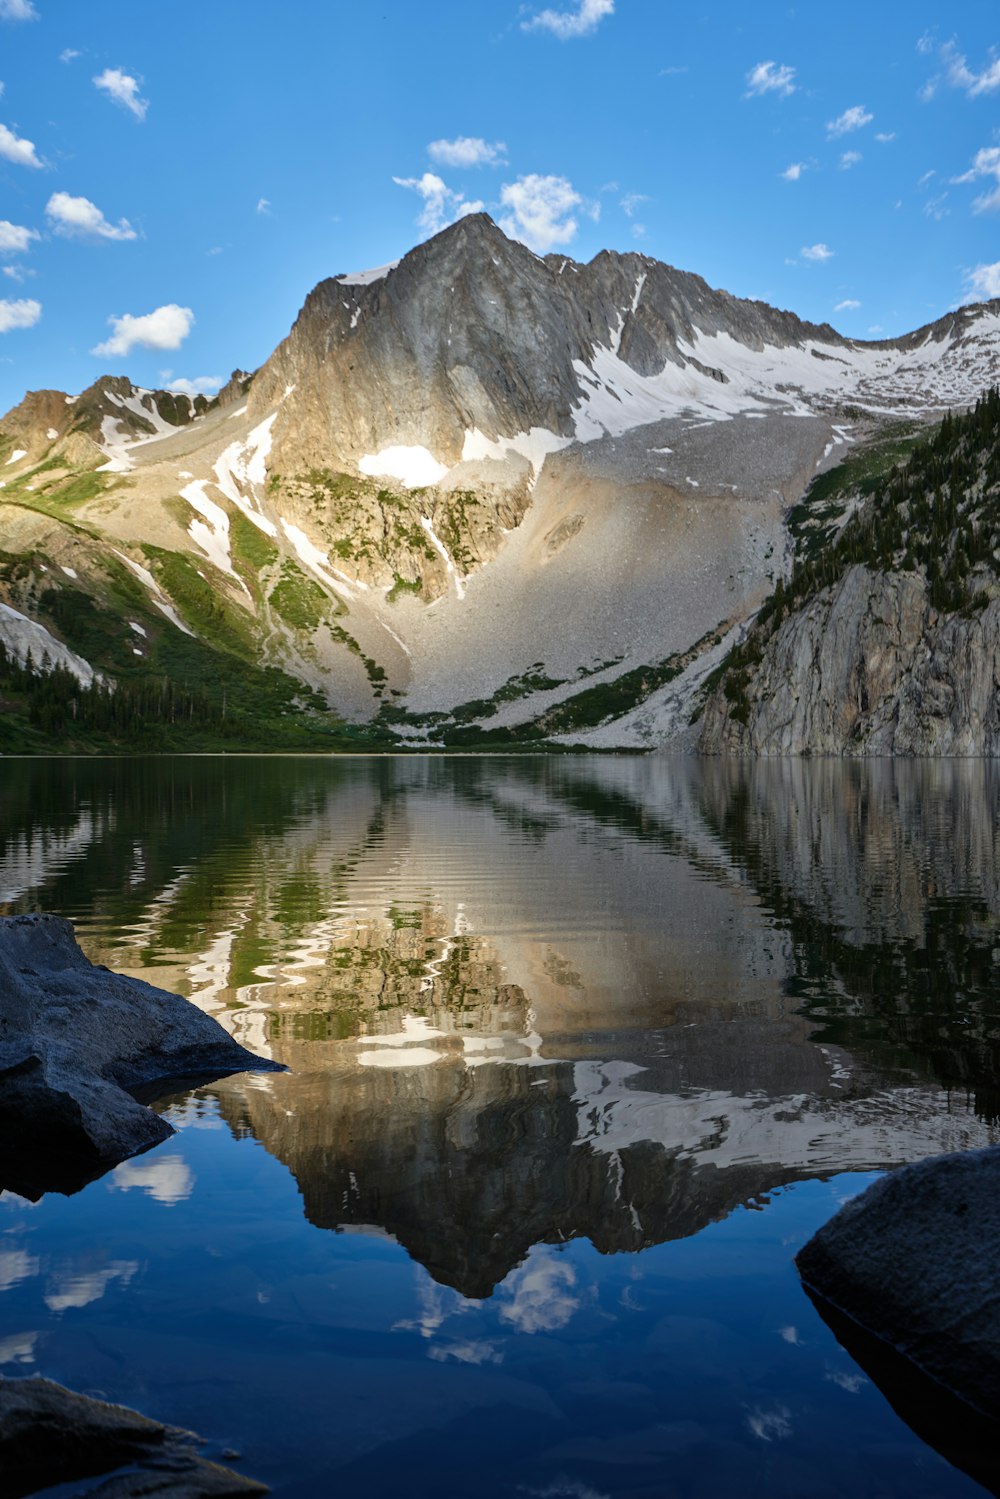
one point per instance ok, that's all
(529, 999)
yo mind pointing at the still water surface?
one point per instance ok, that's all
(581, 1051)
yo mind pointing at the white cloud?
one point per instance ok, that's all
(165, 328)
(540, 1294)
(22, 314)
(770, 78)
(631, 202)
(566, 24)
(934, 207)
(14, 148)
(849, 159)
(848, 305)
(793, 172)
(123, 89)
(885, 136)
(201, 385)
(816, 252)
(17, 10)
(540, 211)
(673, 72)
(78, 217)
(18, 272)
(985, 163)
(982, 283)
(168, 1179)
(15, 239)
(854, 118)
(68, 54)
(958, 74)
(263, 206)
(442, 206)
(467, 151)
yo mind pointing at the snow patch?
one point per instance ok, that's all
(52, 434)
(319, 563)
(211, 533)
(24, 637)
(535, 445)
(244, 464)
(17, 455)
(365, 278)
(415, 467)
(440, 547)
(156, 594)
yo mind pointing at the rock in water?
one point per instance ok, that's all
(74, 1038)
(915, 1261)
(51, 1435)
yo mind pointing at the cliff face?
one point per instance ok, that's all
(869, 667)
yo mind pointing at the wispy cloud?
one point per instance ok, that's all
(14, 148)
(263, 207)
(18, 272)
(21, 314)
(567, 24)
(78, 218)
(982, 283)
(885, 136)
(442, 206)
(818, 252)
(935, 208)
(793, 172)
(541, 211)
(847, 305)
(468, 151)
(165, 328)
(122, 89)
(15, 239)
(17, 10)
(956, 73)
(854, 118)
(985, 163)
(770, 78)
(849, 159)
(631, 202)
(68, 54)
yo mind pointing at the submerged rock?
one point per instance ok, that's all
(915, 1261)
(50, 1435)
(75, 1042)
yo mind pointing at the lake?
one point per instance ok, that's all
(581, 1050)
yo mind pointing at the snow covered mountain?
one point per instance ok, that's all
(475, 493)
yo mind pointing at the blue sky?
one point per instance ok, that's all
(174, 179)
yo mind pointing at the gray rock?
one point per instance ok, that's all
(915, 1261)
(75, 1042)
(50, 1435)
(869, 667)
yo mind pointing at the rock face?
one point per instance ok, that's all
(868, 667)
(50, 1435)
(73, 1039)
(915, 1261)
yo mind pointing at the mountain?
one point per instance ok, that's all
(476, 496)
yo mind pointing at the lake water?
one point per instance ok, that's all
(581, 1051)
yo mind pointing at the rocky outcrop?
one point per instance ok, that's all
(50, 1435)
(915, 1261)
(868, 667)
(74, 1041)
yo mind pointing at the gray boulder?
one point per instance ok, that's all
(50, 1435)
(76, 1041)
(915, 1261)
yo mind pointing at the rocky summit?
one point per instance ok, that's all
(475, 497)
